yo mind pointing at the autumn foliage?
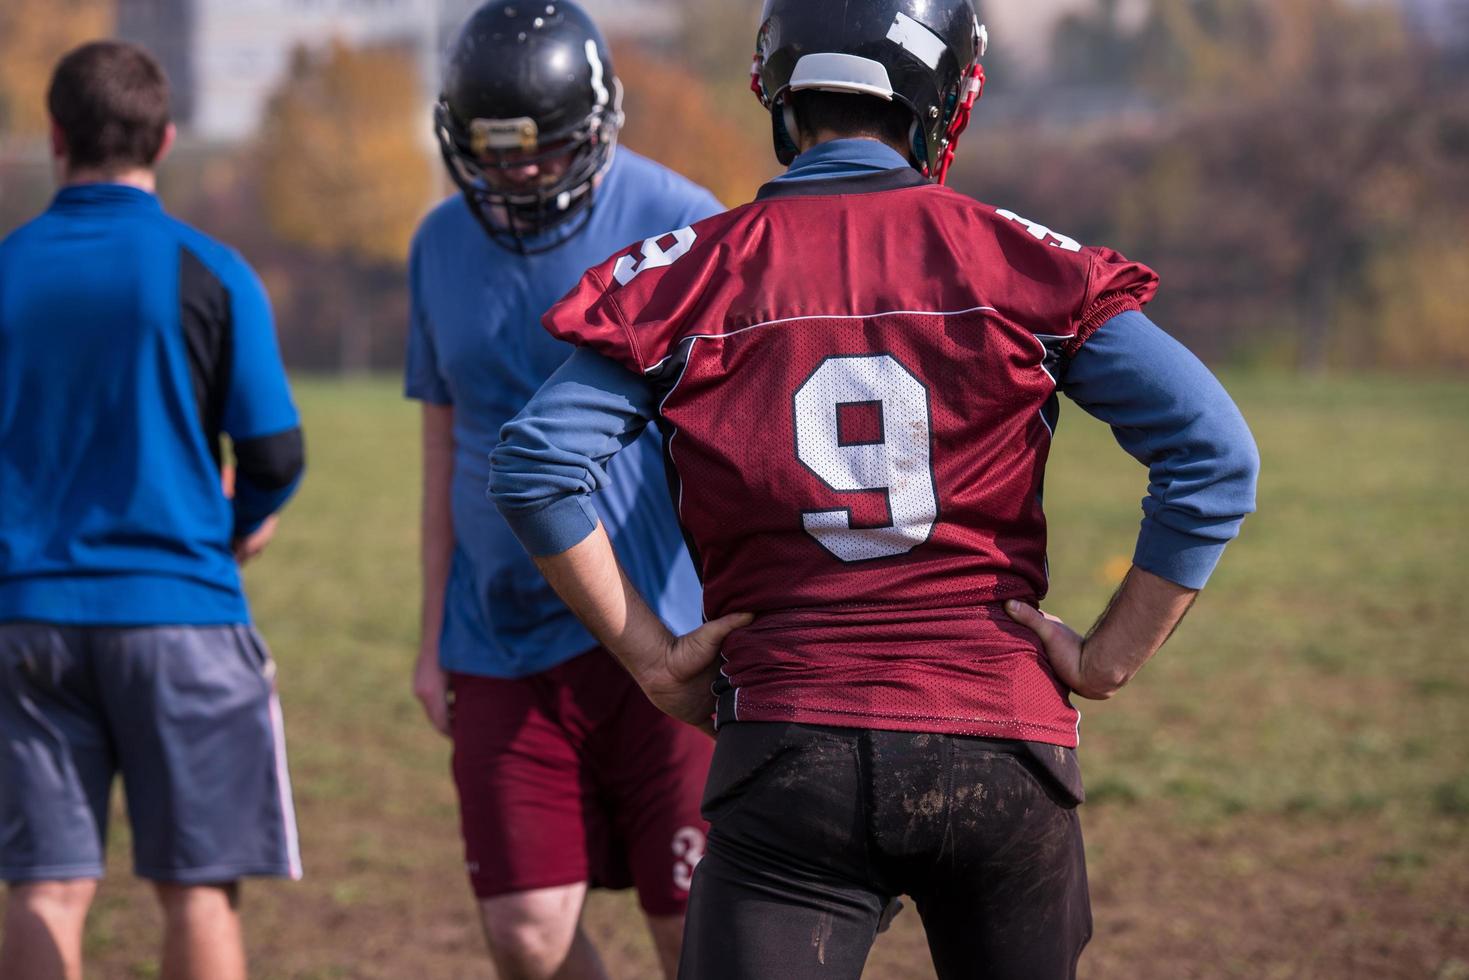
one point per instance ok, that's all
(674, 117)
(345, 164)
(1299, 177)
(34, 34)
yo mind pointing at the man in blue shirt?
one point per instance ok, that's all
(130, 346)
(566, 775)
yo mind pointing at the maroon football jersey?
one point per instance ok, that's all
(858, 394)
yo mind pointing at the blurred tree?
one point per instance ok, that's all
(34, 34)
(1417, 293)
(1302, 181)
(343, 170)
(1094, 47)
(343, 166)
(674, 117)
(1317, 92)
(1410, 311)
(1285, 180)
(1202, 47)
(717, 42)
(1246, 49)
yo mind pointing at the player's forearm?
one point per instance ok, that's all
(553, 455)
(1142, 615)
(593, 586)
(267, 472)
(437, 521)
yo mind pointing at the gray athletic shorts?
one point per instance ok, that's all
(187, 715)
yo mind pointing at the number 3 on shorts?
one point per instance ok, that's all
(895, 457)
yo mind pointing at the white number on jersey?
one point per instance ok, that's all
(1041, 232)
(688, 851)
(654, 255)
(899, 463)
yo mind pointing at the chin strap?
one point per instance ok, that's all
(973, 90)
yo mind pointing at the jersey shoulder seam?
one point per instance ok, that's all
(620, 316)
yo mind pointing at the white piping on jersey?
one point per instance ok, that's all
(733, 688)
(818, 316)
(674, 435)
(1051, 337)
(1041, 339)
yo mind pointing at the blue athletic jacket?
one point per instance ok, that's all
(130, 344)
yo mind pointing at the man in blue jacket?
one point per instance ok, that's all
(131, 346)
(567, 776)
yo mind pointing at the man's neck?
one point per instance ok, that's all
(142, 178)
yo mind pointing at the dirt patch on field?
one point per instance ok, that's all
(1258, 897)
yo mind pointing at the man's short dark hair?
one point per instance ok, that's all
(110, 100)
(852, 115)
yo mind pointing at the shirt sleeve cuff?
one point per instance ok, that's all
(428, 394)
(559, 526)
(1183, 559)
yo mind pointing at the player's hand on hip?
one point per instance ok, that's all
(431, 687)
(252, 545)
(1062, 643)
(684, 687)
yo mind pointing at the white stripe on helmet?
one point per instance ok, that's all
(598, 85)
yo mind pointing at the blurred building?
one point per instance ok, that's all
(226, 56)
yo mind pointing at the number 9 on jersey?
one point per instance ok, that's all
(893, 453)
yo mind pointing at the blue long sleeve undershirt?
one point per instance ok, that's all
(553, 455)
(1165, 408)
(1170, 413)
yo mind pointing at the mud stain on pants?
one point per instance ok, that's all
(820, 936)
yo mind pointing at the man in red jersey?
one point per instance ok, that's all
(857, 378)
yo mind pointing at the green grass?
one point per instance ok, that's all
(1323, 669)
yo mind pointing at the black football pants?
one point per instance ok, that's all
(814, 829)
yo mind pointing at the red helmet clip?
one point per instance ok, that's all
(755, 85)
(973, 90)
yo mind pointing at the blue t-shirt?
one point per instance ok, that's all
(129, 344)
(475, 343)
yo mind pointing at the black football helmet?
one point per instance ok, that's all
(923, 54)
(529, 85)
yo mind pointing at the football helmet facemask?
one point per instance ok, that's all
(528, 119)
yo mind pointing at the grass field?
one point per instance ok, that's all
(1284, 793)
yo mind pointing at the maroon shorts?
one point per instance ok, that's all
(571, 775)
